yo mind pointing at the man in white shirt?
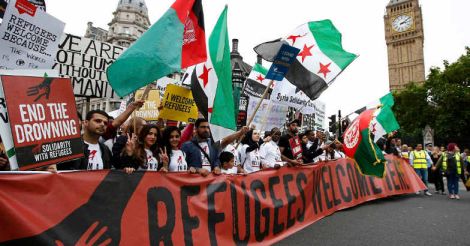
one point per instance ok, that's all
(97, 155)
(269, 150)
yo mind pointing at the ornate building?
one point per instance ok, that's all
(130, 21)
(404, 37)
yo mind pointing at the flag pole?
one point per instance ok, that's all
(252, 117)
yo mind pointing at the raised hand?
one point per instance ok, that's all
(131, 144)
(44, 87)
(164, 156)
(85, 239)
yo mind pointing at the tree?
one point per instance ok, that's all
(443, 102)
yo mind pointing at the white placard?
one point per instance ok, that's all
(29, 37)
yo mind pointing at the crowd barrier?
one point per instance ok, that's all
(152, 208)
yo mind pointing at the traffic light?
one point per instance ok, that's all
(332, 123)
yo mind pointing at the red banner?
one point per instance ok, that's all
(150, 208)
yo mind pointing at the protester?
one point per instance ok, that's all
(227, 161)
(311, 150)
(114, 124)
(143, 152)
(171, 142)
(404, 152)
(231, 148)
(284, 144)
(338, 150)
(122, 140)
(452, 166)
(202, 152)
(250, 157)
(398, 145)
(96, 155)
(390, 146)
(437, 172)
(269, 151)
(421, 161)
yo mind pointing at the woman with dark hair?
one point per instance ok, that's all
(143, 153)
(171, 143)
(250, 157)
(122, 140)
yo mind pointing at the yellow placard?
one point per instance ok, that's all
(178, 104)
(150, 109)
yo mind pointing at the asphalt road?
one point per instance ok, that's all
(400, 220)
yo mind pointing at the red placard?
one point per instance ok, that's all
(43, 120)
(296, 147)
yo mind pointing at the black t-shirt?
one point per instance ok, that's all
(284, 143)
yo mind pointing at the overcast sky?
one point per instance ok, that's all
(446, 25)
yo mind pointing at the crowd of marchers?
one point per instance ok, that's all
(134, 145)
(434, 164)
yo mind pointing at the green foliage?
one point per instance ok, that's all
(443, 102)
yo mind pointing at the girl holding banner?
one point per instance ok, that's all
(171, 143)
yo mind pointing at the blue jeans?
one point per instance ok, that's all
(423, 175)
(453, 184)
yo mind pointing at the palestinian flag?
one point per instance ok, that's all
(175, 41)
(256, 82)
(360, 145)
(320, 60)
(211, 83)
(386, 100)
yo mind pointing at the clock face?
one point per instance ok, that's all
(402, 23)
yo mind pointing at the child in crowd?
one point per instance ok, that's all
(227, 162)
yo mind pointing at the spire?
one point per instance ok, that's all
(137, 5)
(395, 2)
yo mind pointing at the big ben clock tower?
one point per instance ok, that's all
(404, 36)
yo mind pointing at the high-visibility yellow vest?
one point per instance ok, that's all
(405, 155)
(457, 159)
(419, 160)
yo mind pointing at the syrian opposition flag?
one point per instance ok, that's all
(320, 60)
(361, 146)
(383, 122)
(256, 82)
(177, 40)
(386, 100)
(211, 83)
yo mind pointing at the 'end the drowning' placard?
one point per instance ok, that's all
(43, 120)
(178, 104)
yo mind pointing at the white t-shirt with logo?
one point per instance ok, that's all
(95, 162)
(177, 162)
(152, 162)
(232, 170)
(270, 154)
(205, 162)
(251, 161)
(230, 148)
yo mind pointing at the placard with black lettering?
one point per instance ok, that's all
(29, 37)
(85, 61)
